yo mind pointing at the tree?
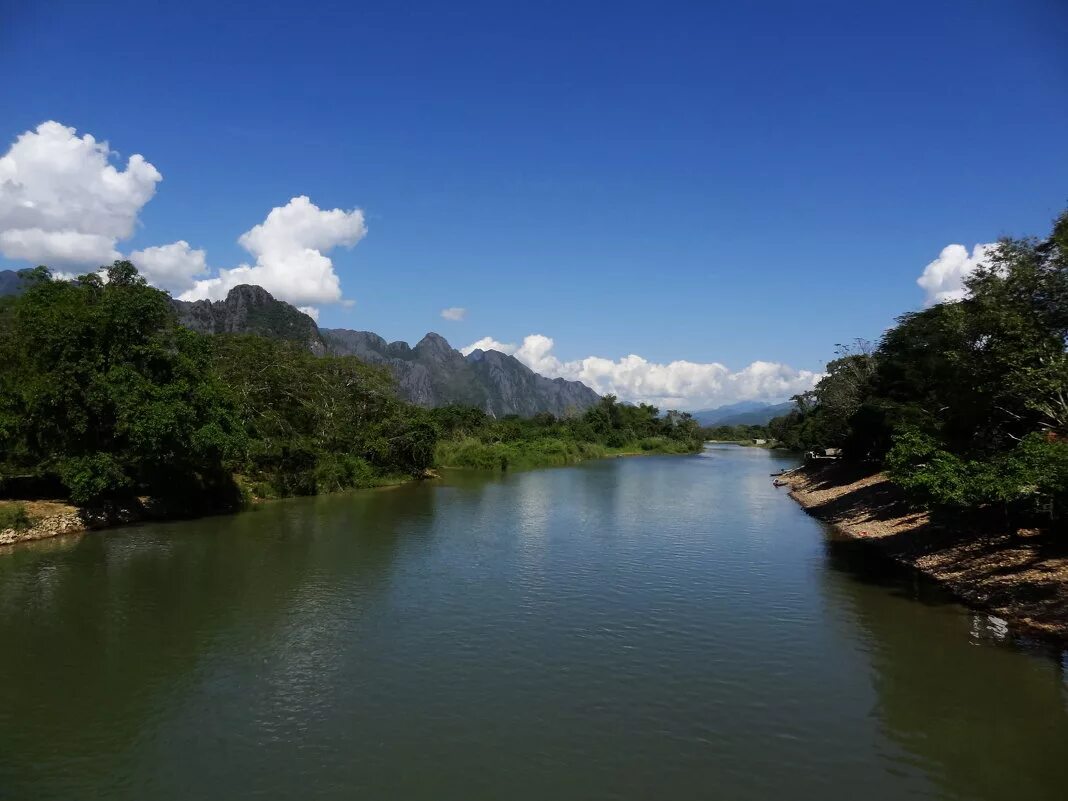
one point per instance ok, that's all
(313, 423)
(106, 391)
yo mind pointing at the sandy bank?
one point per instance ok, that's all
(55, 518)
(1020, 576)
(48, 519)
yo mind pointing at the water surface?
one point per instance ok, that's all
(653, 628)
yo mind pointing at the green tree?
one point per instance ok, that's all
(103, 389)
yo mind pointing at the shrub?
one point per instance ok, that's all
(14, 516)
(338, 471)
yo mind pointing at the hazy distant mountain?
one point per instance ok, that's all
(748, 413)
(435, 374)
(10, 283)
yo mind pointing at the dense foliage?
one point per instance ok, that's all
(741, 433)
(965, 403)
(102, 389)
(315, 424)
(105, 396)
(470, 438)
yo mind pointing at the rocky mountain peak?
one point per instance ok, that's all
(432, 373)
(250, 309)
(433, 343)
(249, 294)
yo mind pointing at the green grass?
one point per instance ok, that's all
(14, 516)
(663, 445)
(475, 454)
(333, 473)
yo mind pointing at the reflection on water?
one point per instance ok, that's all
(636, 628)
(982, 710)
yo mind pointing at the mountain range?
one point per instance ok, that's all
(10, 282)
(251, 310)
(743, 413)
(432, 373)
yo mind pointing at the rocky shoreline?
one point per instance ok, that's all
(55, 519)
(59, 521)
(1020, 576)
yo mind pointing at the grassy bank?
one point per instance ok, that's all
(1020, 575)
(472, 453)
(14, 516)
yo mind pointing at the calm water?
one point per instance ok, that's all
(655, 628)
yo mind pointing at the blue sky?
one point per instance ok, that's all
(715, 182)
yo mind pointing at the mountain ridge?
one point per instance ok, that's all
(11, 282)
(748, 413)
(430, 373)
(433, 373)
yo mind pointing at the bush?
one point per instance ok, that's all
(928, 473)
(1038, 465)
(14, 516)
(94, 478)
(474, 454)
(336, 472)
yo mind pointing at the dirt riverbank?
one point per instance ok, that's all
(1020, 576)
(56, 518)
(46, 519)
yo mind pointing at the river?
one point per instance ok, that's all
(647, 628)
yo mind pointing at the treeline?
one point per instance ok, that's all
(964, 403)
(106, 398)
(470, 438)
(105, 394)
(740, 433)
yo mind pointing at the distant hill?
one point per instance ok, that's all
(251, 310)
(433, 373)
(430, 374)
(10, 283)
(744, 413)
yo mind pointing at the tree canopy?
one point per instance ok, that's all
(104, 394)
(965, 402)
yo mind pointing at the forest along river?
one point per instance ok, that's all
(653, 628)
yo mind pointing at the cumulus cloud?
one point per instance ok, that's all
(943, 278)
(455, 313)
(678, 384)
(63, 202)
(290, 249)
(489, 343)
(173, 267)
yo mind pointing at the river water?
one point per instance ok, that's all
(649, 628)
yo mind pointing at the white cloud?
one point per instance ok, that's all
(678, 384)
(455, 313)
(63, 202)
(489, 343)
(173, 267)
(290, 247)
(311, 311)
(943, 278)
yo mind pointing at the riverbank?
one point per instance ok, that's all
(27, 521)
(31, 520)
(472, 453)
(39, 520)
(1020, 576)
